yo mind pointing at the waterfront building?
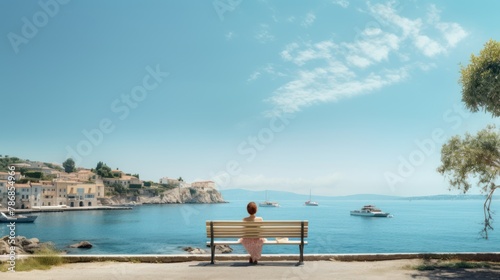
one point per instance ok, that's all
(23, 193)
(49, 194)
(82, 194)
(5, 176)
(35, 198)
(124, 180)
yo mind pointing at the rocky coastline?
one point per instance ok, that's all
(173, 196)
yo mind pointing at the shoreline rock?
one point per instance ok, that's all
(23, 245)
(82, 245)
(219, 249)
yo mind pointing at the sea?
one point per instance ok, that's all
(414, 226)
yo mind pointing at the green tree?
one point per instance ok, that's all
(69, 165)
(481, 80)
(99, 165)
(103, 170)
(475, 160)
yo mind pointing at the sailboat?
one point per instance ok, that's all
(268, 203)
(310, 202)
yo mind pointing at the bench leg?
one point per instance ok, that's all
(301, 259)
(212, 251)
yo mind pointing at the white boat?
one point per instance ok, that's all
(310, 202)
(369, 211)
(268, 203)
(17, 218)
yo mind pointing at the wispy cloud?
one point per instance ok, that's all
(414, 29)
(264, 35)
(308, 20)
(374, 46)
(328, 71)
(329, 84)
(229, 36)
(342, 3)
(269, 69)
(451, 31)
(254, 76)
(320, 50)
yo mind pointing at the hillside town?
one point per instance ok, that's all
(40, 185)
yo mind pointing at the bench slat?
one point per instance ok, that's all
(269, 242)
(253, 229)
(256, 235)
(266, 223)
(262, 234)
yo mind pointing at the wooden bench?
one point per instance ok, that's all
(297, 230)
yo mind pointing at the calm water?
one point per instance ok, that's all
(417, 226)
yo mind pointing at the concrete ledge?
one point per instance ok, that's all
(491, 257)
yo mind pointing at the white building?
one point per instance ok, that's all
(203, 184)
(173, 182)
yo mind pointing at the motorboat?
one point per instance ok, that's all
(369, 211)
(17, 218)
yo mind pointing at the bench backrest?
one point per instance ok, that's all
(238, 229)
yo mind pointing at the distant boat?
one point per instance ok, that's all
(17, 218)
(310, 202)
(369, 211)
(268, 203)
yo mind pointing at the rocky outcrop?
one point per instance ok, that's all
(177, 195)
(192, 250)
(82, 245)
(23, 245)
(219, 249)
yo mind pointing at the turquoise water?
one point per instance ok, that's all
(416, 226)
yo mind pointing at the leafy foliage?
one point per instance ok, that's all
(481, 80)
(34, 174)
(6, 161)
(53, 166)
(472, 157)
(103, 170)
(118, 188)
(69, 165)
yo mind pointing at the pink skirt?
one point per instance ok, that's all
(253, 246)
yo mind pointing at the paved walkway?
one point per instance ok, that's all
(376, 270)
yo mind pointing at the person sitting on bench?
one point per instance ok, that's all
(253, 245)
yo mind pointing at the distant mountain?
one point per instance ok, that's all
(240, 194)
(451, 197)
(257, 196)
(367, 197)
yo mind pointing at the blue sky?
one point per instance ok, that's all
(338, 97)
